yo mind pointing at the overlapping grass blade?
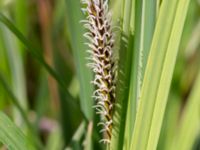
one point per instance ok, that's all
(33, 51)
(128, 30)
(144, 25)
(121, 105)
(76, 31)
(15, 60)
(153, 72)
(125, 56)
(167, 72)
(145, 10)
(12, 136)
(14, 99)
(127, 16)
(16, 103)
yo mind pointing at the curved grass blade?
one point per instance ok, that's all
(21, 110)
(167, 72)
(12, 136)
(15, 60)
(14, 100)
(33, 51)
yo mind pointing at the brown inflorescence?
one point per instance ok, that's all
(101, 42)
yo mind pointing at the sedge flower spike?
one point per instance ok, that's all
(101, 42)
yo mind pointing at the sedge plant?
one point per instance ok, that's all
(99, 74)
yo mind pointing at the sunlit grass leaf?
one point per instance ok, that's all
(143, 20)
(167, 73)
(158, 74)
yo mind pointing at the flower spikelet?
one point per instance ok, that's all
(101, 42)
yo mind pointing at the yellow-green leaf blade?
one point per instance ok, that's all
(152, 75)
(166, 76)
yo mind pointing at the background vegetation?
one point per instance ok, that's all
(45, 90)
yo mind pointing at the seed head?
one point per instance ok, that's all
(100, 43)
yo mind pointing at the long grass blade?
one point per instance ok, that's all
(74, 16)
(33, 51)
(12, 136)
(144, 13)
(189, 124)
(167, 72)
(125, 56)
(17, 71)
(15, 101)
(152, 75)
(144, 29)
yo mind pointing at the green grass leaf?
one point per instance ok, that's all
(14, 99)
(119, 118)
(188, 128)
(22, 112)
(158, 74)
(15, 60)
(34, 52)
(144, 13)
(12, 136)
(76, 31)
(167, 72)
